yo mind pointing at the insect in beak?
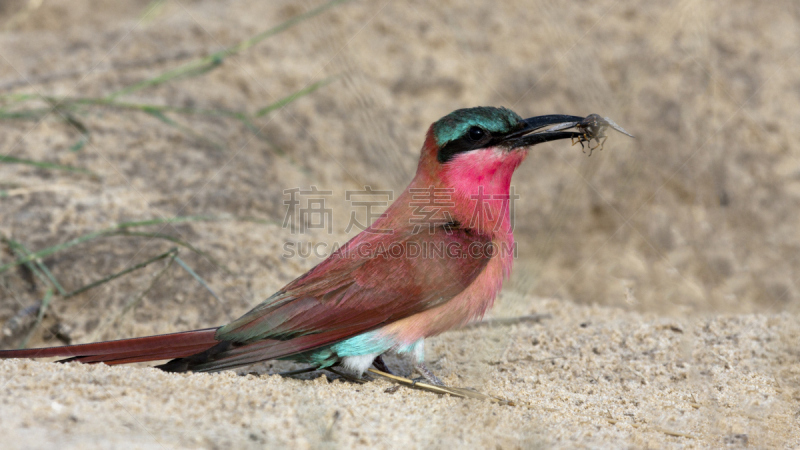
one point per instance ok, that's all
(591, 128)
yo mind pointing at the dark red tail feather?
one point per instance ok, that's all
(148, 348)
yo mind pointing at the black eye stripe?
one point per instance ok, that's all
(468, 142)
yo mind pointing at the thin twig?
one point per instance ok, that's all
(130, 304)
(456, 392)
(172, 252)
(196, 277)
(177, 241)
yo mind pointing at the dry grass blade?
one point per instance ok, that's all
(213, 60)
(66, 104)
(66, 107)
(48, 296)
(43, 273)
(184, 129)
(133, 301)
(25, 114)
(45, 165)
(195, 276)
(175, 240)
(152, 10)
(172, 252)
(454, 391)
(73, 121)
(40, 269)
(18, 251)
(121, 228)
(293, 96)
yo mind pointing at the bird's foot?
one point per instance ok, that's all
(430, 386)
(380, 364)
(428, 375)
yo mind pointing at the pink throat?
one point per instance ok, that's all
(482, 180)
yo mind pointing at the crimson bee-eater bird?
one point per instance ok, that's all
(410, 275)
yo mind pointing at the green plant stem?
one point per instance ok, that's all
(45, 165)
(40, 269)
(196, 277)
(96, 234)
(132, 302)
(48, 296)
(215, 59)
(171, 252)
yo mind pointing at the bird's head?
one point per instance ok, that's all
(479, 148)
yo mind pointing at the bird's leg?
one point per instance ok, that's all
(428, 374)
(380, 364)
(429, 382)
(418, 352)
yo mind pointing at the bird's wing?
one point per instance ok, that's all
(372, 281)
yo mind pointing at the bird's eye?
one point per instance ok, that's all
(475, 134)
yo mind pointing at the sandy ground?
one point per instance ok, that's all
(582, 377)
(666, 266)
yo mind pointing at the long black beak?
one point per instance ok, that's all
(525, 136)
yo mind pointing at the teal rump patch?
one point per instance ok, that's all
(364, 344)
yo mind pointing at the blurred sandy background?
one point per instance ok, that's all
(684, 240)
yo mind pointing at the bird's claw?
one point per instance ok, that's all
(428, 375)
(380, 364)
